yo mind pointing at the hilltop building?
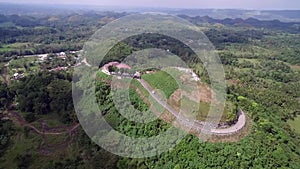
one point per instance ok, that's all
(120, 69)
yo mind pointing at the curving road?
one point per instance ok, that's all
(196, 124)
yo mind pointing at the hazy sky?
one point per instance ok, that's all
(245, 4)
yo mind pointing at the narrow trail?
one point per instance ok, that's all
(46, 149)
(23, 122)
(86, 63)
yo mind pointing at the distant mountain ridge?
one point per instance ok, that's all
(282, 15)
(293, 27)
(34, 9)
(7, 21)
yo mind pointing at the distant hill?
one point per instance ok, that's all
(283, 15)
(38, 9)
(292, 27)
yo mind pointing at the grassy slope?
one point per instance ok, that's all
(13, 46)
(162, 81)
(295, 124)
(203, 109)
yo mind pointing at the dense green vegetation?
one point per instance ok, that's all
(262, 73)
(25, 35)
(45, 93)
(120, 123)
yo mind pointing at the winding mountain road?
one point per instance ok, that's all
(196, 124)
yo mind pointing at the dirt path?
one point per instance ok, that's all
(45, 147)
(46, 131)
(23, 122)
(86, 63)
(5, 76)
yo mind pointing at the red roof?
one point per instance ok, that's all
(122, 65)
(117, 64)
(110, 64)
(58, 68)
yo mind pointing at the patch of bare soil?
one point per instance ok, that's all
(175, 99)
(205, 93)
(296, 66)
(202, 94)
(5, 75)
(167, 117)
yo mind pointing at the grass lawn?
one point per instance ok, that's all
(5, 49)
(162, 81)
(13, 46)
(19, 146)
(295, 124)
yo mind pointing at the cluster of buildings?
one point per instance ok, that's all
(42, 58)
(190, 71)
(17, 76)
(61, 55)
(58, 68)
(120, 69)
